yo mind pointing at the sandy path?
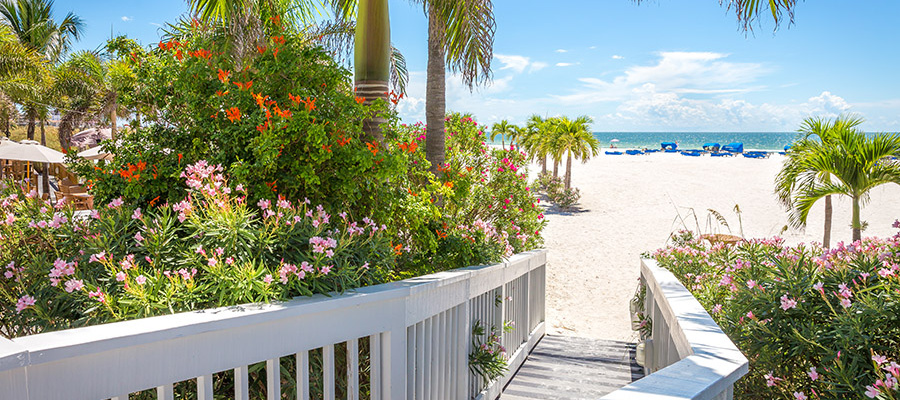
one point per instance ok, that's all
(629, 205)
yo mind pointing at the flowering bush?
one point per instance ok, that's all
(283, 120)
(478, 209)
(814, 323)
(208, 250)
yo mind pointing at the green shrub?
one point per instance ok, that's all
(812, 322)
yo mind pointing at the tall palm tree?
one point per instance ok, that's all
(503, 129)
(813, 128)
(31, 21)
(856, 164)
(461, 33)
(574, 138)
(534, 139)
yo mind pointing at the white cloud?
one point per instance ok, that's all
(515, 63)
(562, 64)
(537, 66)
(126, 19)
(156, 25)
(617, 57)
(592, 47)
(562, 51)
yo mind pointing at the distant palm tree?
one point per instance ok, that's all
(856, 164)
(574, 138)
(534, 140)
(503, 129)
(813, 128)
(31, 21)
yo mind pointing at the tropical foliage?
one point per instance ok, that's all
(814, 323)
(843, 161)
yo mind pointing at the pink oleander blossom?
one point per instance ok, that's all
(800, 396)
(787, 303)
(813, 374)
(24, 302)
(140, 279)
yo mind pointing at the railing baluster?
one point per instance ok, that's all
(353, 369)
(205, 387)
(442, 355)
(165, 392)
(273, 379)
(328, 371)
(241, 383)
(303, 375)
(411, 362)
(420, 361)
(429, 361)
(375, 366)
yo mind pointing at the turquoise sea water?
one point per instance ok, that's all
(695, 140)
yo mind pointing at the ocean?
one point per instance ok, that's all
(771, 141)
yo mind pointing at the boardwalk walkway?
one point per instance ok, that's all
(565, 367)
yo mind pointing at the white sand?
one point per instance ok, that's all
(629, 205)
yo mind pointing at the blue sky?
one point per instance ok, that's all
(664, 65)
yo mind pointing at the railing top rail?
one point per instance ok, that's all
(715, 362)
(47, 347)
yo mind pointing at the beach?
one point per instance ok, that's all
(630, 205)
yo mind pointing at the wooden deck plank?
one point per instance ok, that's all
(566, 367)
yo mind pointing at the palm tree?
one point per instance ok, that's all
(461, 33)
(856, 164)
(574, 138)
(31, 21)
(786, 182)
(534, 139)
(748, 11)
(503, 129)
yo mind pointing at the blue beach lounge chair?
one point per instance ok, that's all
(713, 147)
(614, 153)
(736, 147)
(669, 146)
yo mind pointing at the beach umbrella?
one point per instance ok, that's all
(96, 153)
(614, 141)
(31, 151)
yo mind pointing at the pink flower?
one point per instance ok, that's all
(787, 303)
(23, 303)
(239, 188)
(95, 214)
(717, 309)
(812, 373)
(326, 269)
(365, 266)
(819, 287)
(211, 262)
(220, 251)
(846, 303)
(120, 276)
(751, 284)
(264, 204)
(879, 359)
(229, 261)
(138, 238)
(750, 315)
(136, 214)
(800, 396)
(140, 279)
(771, 380)
(73, 285)
(268, 278)
(116, 203)
(871, 392)
(98, 295)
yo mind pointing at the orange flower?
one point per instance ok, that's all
(261, 49)
(326, 147)
(276, 20)
(440, 234)
(180, 156)
(215, 115)
(449, 185)
(262, 128)
(413, 146)
(260, 99)
(278, 39)
(310, 103)
(275, 52)
(360, 100)
(221, 93)
(153, 202)
(273, 185)
(296, 99)
(398, 249)
(141, 165)
(178, 55)
(245, 85)
(234, 114)
(223, 76)
(373, 147)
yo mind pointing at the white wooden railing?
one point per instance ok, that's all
(688, 356)
(418, 330)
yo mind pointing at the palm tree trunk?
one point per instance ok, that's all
(371, 59)
(435, 92)
(826, 239)
(113, 119)
(544, 164)
(29, 131)
(555, 167)
(46, 172)
(857, 226)
(569, 171)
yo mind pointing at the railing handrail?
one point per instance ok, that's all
(389, 307)
(710, 364)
